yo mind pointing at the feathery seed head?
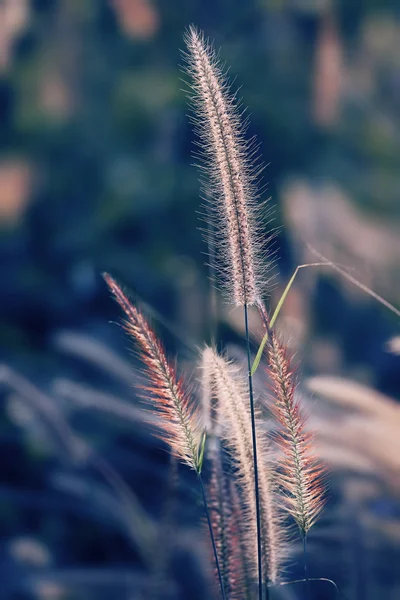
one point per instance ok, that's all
(228, 160)
(232, 397)
(207, 395)
(302, 475)
(209, 398)
(227, 522)
(223, 526)
(180, 422)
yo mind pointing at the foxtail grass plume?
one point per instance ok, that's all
(222, 523)
(179, 421)
(243, 568)
(227, 520)
(227, 161)
(208, 400)
(234, 414)
(209, 403)
(302, 474)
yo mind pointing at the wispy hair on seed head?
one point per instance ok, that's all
(302, 474)
(209, 398)
(179, 421)
(230, 171)
(223, 525)
(236, 434)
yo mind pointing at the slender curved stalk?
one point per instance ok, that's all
(295, 581)
(203, 493)
(254, 440)
(306, 566)
(335, 267)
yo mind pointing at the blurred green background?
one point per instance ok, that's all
(96, 175)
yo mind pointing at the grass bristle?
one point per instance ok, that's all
(236, 433)
(179, 421)
(227, 159)
(302, 474)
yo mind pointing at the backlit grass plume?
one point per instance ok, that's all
(230, 186)
(227, 516)
(234, 217)
(243, 569)
(223, 525)
(244, 498)
(301, 477)
(180, 422)
(232, 395)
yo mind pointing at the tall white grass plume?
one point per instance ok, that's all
(229, 175)
(301, 478)
(236, 433)
(179, 422)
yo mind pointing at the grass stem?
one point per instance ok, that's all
(213, 301)
(254, 440)
(306, 567)
(203, 493)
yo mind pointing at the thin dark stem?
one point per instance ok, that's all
(203, 493)
(253, 433)
(213, 304)
(306, 567)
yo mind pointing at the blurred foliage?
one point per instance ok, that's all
(96, 174)
(95, 133)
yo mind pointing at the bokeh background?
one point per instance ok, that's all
(96, 175)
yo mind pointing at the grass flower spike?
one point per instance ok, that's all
(221, 516)
(302, 474)
(180, 421)
(251, 483)
(232, 397)
(227, 515)
(227, 159)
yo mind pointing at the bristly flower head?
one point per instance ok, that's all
(302, 474)
(232, 405)
(226, 513)
(230, 187)
(180, 422)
